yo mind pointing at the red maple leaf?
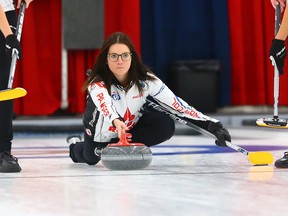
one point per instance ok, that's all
(128, 119)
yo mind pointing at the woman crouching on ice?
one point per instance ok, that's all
(118, 87)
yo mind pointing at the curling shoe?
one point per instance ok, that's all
(282, 162)
(73, 139)
(8, 163)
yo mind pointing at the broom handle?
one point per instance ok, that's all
(18, 35)
(276, 72)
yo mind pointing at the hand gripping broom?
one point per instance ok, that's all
(274, 122)
(13, 93)
(255, 158)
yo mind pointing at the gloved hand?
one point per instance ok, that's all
(13, 45)
(278, 54)
(221, 133)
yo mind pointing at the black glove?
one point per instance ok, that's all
(278, 54)
(221, 133)
(13, 45)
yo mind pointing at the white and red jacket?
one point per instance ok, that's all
(128, 105)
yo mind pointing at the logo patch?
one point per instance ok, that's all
(116, 96)
(88, 132)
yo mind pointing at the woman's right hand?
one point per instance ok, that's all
(120, 126)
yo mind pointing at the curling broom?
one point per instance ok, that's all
(13, 93)
(255, 158)
(274, 122)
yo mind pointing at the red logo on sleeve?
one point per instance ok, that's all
(182, 109)
(103, 106)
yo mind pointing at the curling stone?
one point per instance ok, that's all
(125, 155)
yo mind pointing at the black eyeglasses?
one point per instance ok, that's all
(113, 57)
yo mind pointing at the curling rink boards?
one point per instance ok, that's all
(189, 175)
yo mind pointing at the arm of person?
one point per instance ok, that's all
(283, 30)
(278, 51)
(4, 25)
(277, 2)
(11, 43)
(167, 99)
(27, 3)
(104, 104)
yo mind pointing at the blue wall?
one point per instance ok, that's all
(174, 30)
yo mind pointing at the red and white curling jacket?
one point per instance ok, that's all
(103, 108)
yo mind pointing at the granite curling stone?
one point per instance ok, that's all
(125, 155)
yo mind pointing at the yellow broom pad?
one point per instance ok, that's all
(10, 94)
(260, 158)
(281, 124)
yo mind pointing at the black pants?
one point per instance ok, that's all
(6, 107)
(152, 128)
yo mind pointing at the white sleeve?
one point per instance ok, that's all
(103, 101)
(161, 93)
